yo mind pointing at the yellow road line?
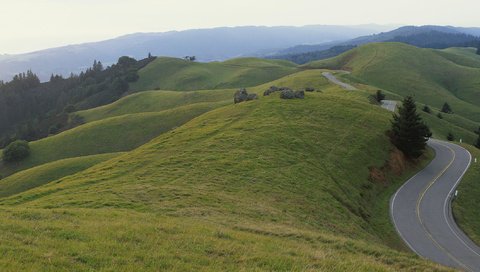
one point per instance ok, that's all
(418, 210)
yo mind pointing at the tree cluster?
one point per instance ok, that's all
(16, 151)
(31, 110)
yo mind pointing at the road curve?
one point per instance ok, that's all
(335, 80)
(422, 214)
(390, 105)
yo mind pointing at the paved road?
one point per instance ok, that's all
(335, 80)
(422, 215)
(389, 105)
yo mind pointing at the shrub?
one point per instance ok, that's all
(16, 151)
(379, 96)
(446, 108)
(427, 109)
(450, 136)
(439, 115)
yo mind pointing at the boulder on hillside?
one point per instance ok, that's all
(252, 97)
(270, 90)
(309, 89)
(242, 95)
(299, 94)
(287, 94)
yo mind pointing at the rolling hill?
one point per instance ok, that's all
(427, 74)
(214, 44)
(251, 186)
(201, 183)
(179, 74)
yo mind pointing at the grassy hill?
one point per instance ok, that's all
(114, 134)
(427, 74)
(154, 101)
(252, 186)
(465, 206)
(40, 175)
(178, 74)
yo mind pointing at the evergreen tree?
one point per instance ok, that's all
(477, 144)
(450, 137)
(446, 108)
(379, 96)
(409, 133)
(478, 50)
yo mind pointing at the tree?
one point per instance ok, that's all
(409, 133)
(379, 96)
(427, 109)
(450, 137)
(446, 108)
(440, 116)
(477, 144)
(478, 50)
(16, 151)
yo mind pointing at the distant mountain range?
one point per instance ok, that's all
(206, 44)
(437, 37)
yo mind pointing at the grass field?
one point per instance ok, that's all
(178, 74)
(154, 101)
(466, 206)
(206, 185)
(114, 134)
(40, 175)
(431, 76)
(252, 186)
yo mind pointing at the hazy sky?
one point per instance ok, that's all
(27, 25)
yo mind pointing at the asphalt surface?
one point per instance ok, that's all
(334, 80)
(422, 214)
(390, 105)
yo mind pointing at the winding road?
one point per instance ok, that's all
(335, 80)
(421, 209)
(422, 214)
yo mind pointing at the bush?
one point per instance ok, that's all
(446, 108)
(439, 115)
(379, 96)
(450, 137)
(16, 151)
(427, 109)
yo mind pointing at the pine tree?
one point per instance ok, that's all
(409, 133)
(450, 137)
(446, 108)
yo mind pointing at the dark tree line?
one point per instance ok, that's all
(31, 110)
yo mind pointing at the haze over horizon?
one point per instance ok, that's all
(53, 23)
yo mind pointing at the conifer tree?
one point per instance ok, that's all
(409, 133)
(446, 108)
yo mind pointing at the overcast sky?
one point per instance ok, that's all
(27, 25)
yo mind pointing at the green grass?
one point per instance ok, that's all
(466, 206)
(177, 74)
(154, 101)
(427, 74)
(40, 175)
(272, 184)
(114, 134)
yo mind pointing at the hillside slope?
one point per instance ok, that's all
(406, 70)
(252, 186)
(114, 134)
(179, 74)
